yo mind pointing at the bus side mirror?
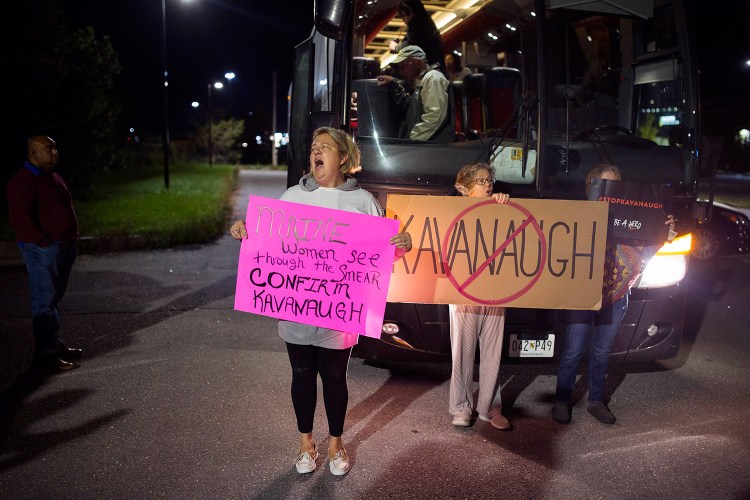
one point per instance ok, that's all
(331, 17)
(701, 213)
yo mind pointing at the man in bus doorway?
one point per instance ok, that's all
(422, 95)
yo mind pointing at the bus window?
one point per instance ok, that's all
(588, 96)
(659, 103)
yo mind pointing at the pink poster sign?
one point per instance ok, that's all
(316, 266)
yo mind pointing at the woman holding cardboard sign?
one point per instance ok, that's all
(470, 324)
(313, 350)
(597, 329)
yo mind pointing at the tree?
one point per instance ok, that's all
(68, 91)
(225, 136)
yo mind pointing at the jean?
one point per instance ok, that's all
(596, 329)
(49, 270)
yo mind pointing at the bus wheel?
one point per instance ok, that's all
(706, 245)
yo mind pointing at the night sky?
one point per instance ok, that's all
(206, 38)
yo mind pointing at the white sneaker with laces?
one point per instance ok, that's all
(305, 461)
(339, 464)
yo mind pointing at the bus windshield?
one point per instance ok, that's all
(542, 97)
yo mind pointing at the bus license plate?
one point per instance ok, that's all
(520, 347)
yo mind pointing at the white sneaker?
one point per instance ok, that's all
(339, 464)
(305, 461)
(461, 420)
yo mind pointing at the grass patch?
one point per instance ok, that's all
(132, 209)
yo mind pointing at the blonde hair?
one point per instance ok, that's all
(345, 145)
(599, 170)
(467, 176)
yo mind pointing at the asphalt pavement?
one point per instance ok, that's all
(179, 396)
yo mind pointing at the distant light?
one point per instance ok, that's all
(533, 14)
(195, 104)
(323, 82)
(668, 120)
(744, 136)
(131, 129)
(229, 75)
(747, 63)
(218, 85)
(244, 144)
(258, 140)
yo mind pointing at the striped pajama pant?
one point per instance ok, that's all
(470, 324)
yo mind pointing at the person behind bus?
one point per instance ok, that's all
(470, 324)
(595, 330)
(314, 350)
(422, 95)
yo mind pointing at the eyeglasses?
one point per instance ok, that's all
(484, 181)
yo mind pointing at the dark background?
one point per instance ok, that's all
(205, 39)
(722, 35)
(255, 39)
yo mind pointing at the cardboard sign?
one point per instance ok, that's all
(526, 253)
(636, 211)
(316, 266)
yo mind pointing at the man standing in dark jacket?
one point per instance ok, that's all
(42, 215)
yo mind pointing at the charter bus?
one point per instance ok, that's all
(556, 87)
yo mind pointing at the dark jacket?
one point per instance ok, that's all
(423, 33)
(40, 207)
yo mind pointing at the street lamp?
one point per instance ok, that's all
(165, 74)
(217, 85)
(229, 75)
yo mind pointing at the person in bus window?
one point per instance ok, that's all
(595, 330)
(421, 31)
(313, 350)
(422, 96)
(470, 324)
(455, 69)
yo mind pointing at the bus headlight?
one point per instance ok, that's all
(669, 266)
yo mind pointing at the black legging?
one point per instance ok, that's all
(307, 361)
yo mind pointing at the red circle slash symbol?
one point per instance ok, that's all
(461, 287)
